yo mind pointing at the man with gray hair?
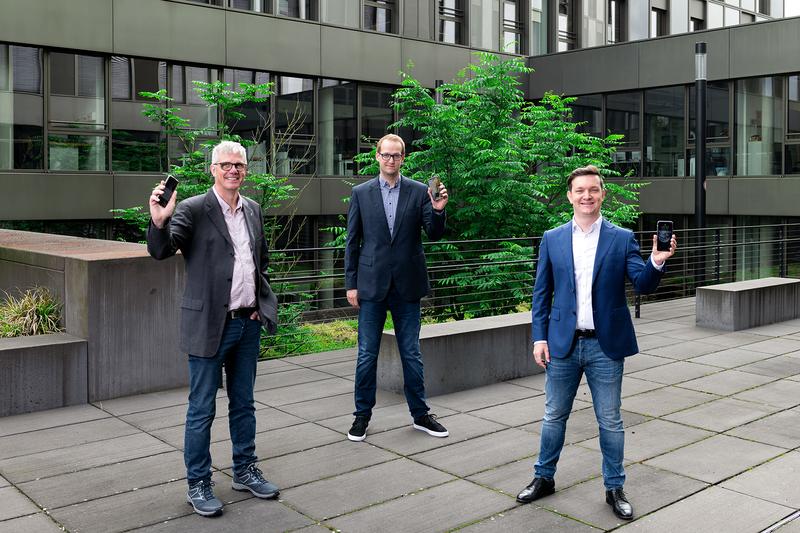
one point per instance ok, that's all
(226, 302)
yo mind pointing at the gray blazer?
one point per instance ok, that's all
(198, 230)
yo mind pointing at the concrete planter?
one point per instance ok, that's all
(42, 372)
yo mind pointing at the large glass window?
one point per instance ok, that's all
(714, 15)
(537, 41)
(731, 16)
(376, 112)
(512, 27)
(718, 137)
(793, 127)
(589, 110)
(484, 24)
(622, 117)
(255, 125)
(659, 22)
(615, 21)
(341, 12)
(379, 15)
(338, 129)
(567, 36)
(252, 5)
(759, 126)
(593, 21)
(77, 109)
(294, 126)
(21, 107)
(299, 9)
(663, 123)
(451, 21)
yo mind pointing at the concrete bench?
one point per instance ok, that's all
(464, 354)
(747, 304)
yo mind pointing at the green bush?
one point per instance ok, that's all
(34, 312)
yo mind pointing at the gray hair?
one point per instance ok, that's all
(228, 147)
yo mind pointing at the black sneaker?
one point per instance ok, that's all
(201, 498)
(358, 431)
(429, 425)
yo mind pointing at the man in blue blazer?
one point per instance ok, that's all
(385, 270)
(581, 325)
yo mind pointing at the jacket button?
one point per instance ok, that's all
(224, 305)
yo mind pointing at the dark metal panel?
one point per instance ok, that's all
(55, 196)
(604, 69)
(433, 61)
(547, 76)
(670, 60)
(761, 195)
(360, 55)
(765, 48)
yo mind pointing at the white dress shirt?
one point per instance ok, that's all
(243, 284)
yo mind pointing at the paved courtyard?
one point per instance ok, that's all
(712, 445)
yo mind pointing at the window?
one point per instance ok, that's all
(713, 15)
(21, 108)
(763, 7)
(379, 15)
(376, 112)
(537, 41)
(658, 22)
(254, 126)
(512, 27)
(718, 138)
(261, 6)
(759, 126)
(697, 24)
(731, 16)
(664, 138)
(589, 109)
(567, 38)
(616, 21)
(294, 126)
(338, 129)
(299, 9)
(622, 116)
(451, 21)
(78, 135)
(484, 24)
(793, 127)
(341, 12)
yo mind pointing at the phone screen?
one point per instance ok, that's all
(664, 234)
(169, 189)
(433, 184)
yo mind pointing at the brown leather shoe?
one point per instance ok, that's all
(619, 503)
(538, 488)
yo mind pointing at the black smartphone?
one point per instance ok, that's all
(433, 184)
(169, 190)
(663, 235)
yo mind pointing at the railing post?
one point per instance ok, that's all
(717, 259)
(782, 250)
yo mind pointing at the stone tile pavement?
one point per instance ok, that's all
(713, 445)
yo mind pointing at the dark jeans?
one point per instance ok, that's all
(239, 351)
(371, 319)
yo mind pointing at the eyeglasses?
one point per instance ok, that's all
(226, 166)
(386, 157)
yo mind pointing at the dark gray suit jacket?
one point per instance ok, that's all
(198, 230)
(373, 258)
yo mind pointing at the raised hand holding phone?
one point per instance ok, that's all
(162, 201)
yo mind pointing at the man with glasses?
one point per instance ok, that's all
(226, 302)
(385, 271)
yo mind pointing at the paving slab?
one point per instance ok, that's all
(576, 464)
(775, 330)
(4, 482)
(269, 366)
(322, 462)
(35, 523)
(383, 419)
(481, 453)
(252, 514)
(515, 413)
(776, 346)
(727, 382)
(278, 442)
(76, 458)
(43, 440)
(582, 425)
(535, 381)
(288, 377)
(144, 402)
(721, 415)
(631, 386)
(326, 358)
(344, 369)
(108, 480)
(452, 504)
(656, 327)
(650, 342)
(736, 339)
(364, 487)
(529, 518)
(676, 372)
(304, 391)
(781, 429)
(692, 333)
(15, 504)
(716, 458)
(780, 367)
(480, 397)
(51, 418)
(338, 405)
(775, 481)
(127, 511)
(783, 393)
(165, 417)
(713, 510)
(643, 361)
(407, 440)
(685, 349)
(665, 400)
(654, 438)
(731, 357)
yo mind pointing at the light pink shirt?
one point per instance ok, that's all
(243, 284)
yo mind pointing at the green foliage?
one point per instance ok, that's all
(33, 312)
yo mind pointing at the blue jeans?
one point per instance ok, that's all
(239, 351)
(371, 319)
(604, 376)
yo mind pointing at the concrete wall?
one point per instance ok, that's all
(116, 297)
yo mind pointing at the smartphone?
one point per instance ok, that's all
(169, 190)
(433, 184)
(664, 235)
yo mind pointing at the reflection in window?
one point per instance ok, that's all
(714, 15)
(255, 124)
(294, 126)
(484, 23)
(21, 107)
(379, 15)
(588, 109)
(616, 21)
(262, 6)
(696, 24)
(658, 22)
(717, 112)
(759, 126)
(338, 131)
(622, 117)
(376, 112)
(718, 161)
(567, 37)
(341, 12)
(593, 23)
(77, 152)
(451, 21)
(299, 9)
(512, 27)
(77, 91)
(663, 122)
(731, 17)
(538, 29)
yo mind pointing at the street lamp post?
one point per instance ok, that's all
(700, 159)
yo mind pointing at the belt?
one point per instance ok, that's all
(242, 312)
(585, 333)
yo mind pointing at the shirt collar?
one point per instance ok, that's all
(385, 183)
(224, 205)
(595, 226)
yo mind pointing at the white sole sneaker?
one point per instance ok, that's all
(440, 434)
(264, 495)
(355, 438)
(201, 512)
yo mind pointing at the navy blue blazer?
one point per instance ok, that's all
(374, 260)
(554, 296)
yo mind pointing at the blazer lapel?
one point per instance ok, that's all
(214, 212)
(607, 236)
(377, 201)
(402, 203)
